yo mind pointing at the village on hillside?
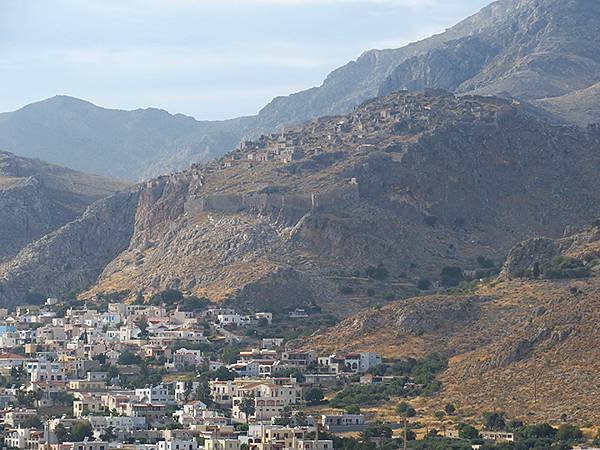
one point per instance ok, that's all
(177, 373)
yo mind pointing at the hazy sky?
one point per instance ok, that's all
(210, 59)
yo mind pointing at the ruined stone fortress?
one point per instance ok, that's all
(380, 123)
(269, 203)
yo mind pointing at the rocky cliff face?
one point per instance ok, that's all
(538, 49)
(37, 198)
(584, 246)
(72, 257)
(410, 182)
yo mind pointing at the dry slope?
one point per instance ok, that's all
(528, 347)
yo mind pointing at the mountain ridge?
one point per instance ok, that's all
(524, 49)
(413, 181)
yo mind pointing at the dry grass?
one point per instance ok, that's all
(533, 351)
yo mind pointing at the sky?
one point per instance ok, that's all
(211, 59)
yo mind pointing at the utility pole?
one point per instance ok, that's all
(404, 443)
(535, 381)
(317, 435)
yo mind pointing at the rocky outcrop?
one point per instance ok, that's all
(433, 313)
(71, 258)
(537, 50)
(584, 246)
(37, 198)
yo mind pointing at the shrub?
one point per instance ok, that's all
(484, 262)
(568, 432)
(565, 267)
(378, 273)
(346, 290)
(424, 284)
(449, 409)
(452, 276)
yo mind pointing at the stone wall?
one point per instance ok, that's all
(272, 203)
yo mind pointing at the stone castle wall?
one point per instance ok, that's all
(272, 203)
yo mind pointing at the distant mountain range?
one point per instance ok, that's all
(540, 51)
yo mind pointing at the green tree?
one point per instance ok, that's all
(61, 433)
(108, 435)
(313, 395)
(376, 430)
(536, 270)
(353, 409)
(494, 421)
(34, 298)
(128, 358)
(32, 422)
(203, 392)
(139, 298)
(247, 406)
(424, 284)
(466, 431)
(171, 296)
(405, 410)
(538, 431)
(230, 355)
(223, 374)
(194, 303)
(379, 273)
(80, 430)
(484, 262)
(142, 324)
